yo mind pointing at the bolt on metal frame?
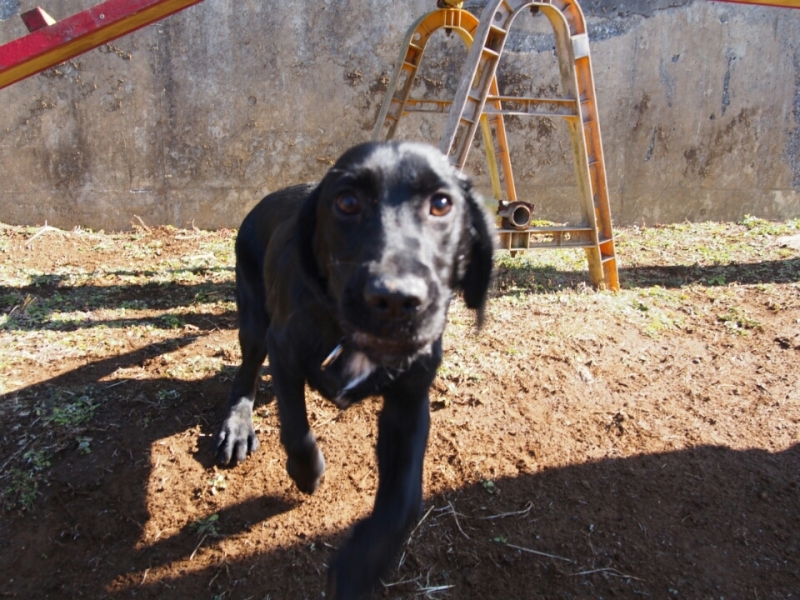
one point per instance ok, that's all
(477, 103)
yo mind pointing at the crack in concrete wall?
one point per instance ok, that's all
(726, 95)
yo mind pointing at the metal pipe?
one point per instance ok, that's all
(516, 215)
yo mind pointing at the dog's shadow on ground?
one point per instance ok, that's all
(704, 522)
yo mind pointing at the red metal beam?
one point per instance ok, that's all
(776, 3)
(80, 33)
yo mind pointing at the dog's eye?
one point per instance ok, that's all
(348, 204)
(441, 205)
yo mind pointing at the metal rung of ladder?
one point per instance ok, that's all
(477, 102)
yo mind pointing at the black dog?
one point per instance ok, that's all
(346, 286)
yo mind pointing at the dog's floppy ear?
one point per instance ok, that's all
(305, 234)
(480, 249)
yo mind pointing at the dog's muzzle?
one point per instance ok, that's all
(396, 298)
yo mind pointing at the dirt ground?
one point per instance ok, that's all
(583, 444)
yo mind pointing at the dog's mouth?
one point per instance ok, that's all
(389, 352)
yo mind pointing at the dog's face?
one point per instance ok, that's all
(388, 234)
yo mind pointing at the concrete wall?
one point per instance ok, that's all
(193, 119)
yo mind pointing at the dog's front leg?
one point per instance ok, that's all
(305, 463)
(236, 437)
(402, 437)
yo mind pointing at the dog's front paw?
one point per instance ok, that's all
(358, 567)
(368, 555)
(236, 438)
(306, 466)
(346, 583)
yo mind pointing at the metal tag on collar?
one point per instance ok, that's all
(336, 353)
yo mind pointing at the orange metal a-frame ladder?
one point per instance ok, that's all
(478, 103)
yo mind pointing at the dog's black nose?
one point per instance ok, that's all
(395, 297)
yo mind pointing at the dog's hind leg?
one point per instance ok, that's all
(237, 437)
(305, 463)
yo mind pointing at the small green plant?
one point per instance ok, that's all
(489, 486)
(168, 394)
(716, 280)
(171, 321)
(756, 226)
(59, 420)
(38, 460)
(657, 325)
(70, 414)
(737, 321)
(217, 483)
(23, 487)
(207, 526)
(500, 539)
(84, 444)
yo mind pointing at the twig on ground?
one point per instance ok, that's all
(609, 570)
(516, 513)
(196, 548)
(144, 226)
(43, 230)
(328, 421)
(425, 516)
(433, 589)
(451, 510)
(401, 582)
(213, 579)
(569, 560)
(428, 589)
